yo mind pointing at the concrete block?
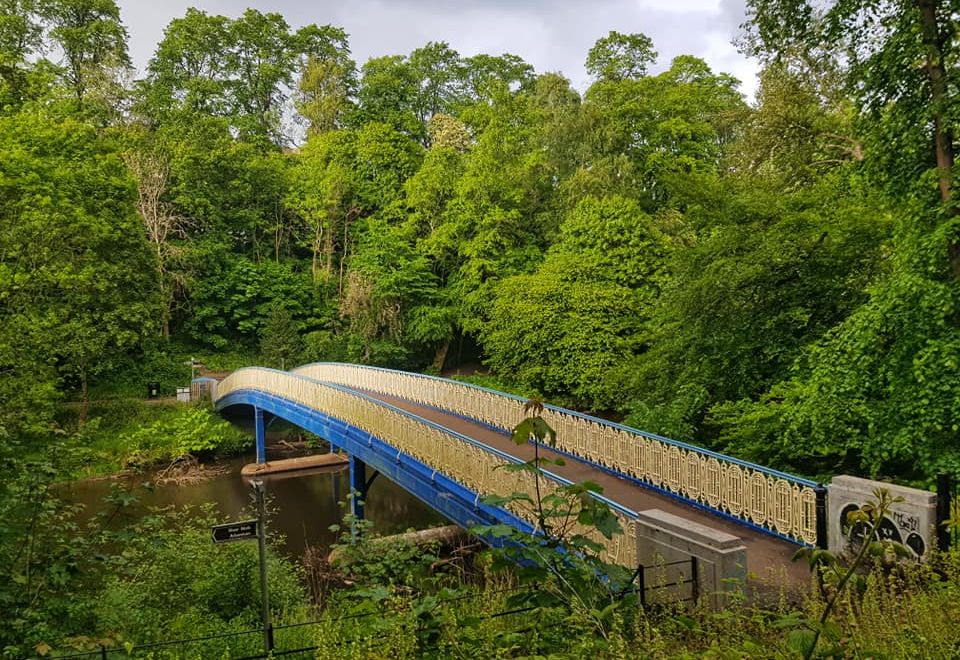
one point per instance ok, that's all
(664, 538)
(911, 522)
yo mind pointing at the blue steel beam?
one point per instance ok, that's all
(358, 486)
(259, 434)
(449, 498)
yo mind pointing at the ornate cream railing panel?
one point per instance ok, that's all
(766, 498)
(465, 461)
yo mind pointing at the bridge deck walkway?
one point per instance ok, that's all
(768, 558)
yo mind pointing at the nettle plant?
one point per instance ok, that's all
(838, 576)
(561, 559)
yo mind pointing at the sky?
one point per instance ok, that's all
(552, 35)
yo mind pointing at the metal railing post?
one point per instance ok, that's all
(944, 501)
(262, 548)
(642, 586)
(259, 434)
(694, 579)
(269, 636)
(103, 652)
(821, 512)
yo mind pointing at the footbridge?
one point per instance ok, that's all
(444, 440)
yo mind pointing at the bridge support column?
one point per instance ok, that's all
(358, 486)
(259, 434)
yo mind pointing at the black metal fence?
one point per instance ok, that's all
(948, 512)
(656, 589)
(272, 645)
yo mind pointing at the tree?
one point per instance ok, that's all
(406, 92)
(897, 60)
(229, 190)
(620, 57)
(150, 167)
(391, 302)
(261, 56)
(76, 293)
(800, 128)
(325, 89)
(94, 44)
(187, 73)
(483, 74)
(320, 194)
(242, 69)
(327, 78)
(440, 72)
(761, 276)
(564, 329)
(491, 227)
(234, 298)
(280, 342)
(21, 37)
(872, 395)
(342, 176)
(389, 88)
(667, 125)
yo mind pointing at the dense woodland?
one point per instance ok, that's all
(777, 278)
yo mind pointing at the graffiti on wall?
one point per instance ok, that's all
(903, 528)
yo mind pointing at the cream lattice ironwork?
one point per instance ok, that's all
(462, 459)
(768, 499)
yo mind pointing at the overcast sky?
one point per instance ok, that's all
(550, 35)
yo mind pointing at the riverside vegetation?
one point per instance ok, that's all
(775, 279)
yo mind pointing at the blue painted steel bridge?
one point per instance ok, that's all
(443, 441)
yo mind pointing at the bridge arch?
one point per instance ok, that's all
(449, 471)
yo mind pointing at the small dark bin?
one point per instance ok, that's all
(153, 390)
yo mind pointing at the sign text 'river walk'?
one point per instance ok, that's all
(239, 531)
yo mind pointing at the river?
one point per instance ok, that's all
(303, 505)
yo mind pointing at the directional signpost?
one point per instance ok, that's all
(247, 530)
(240, 531)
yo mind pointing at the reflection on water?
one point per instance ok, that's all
(303, 505)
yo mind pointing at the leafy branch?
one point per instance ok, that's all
(824, 562)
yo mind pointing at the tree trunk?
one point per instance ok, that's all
(441, 357)
(942, 134)
(317, 247)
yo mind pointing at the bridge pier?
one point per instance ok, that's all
(259, 434)
(358, 486)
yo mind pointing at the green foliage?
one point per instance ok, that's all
(172, 582)
(620, 56)
(763, 278)
(874, 394)
(74, 293)
(280, 343)
(808, 633)
(43, 550)
(379, 567)
(238, 296)
(560, 558)
(685, 116)
(778, 280)
(184, 430)
(596, 286)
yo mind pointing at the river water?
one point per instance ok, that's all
(303, 505)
